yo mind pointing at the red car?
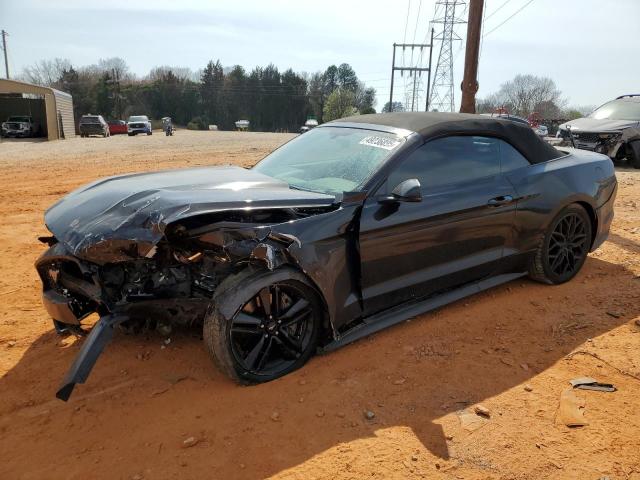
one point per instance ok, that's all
(117, 126)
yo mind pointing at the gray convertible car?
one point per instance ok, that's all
(350, 228)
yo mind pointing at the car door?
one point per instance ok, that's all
(454, 235)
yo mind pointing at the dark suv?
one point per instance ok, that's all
(93, 125)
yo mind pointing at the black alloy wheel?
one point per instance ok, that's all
(568, 245)
(272, 330)
(565, 246)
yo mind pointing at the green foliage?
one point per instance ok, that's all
(572, 114)
(197, 123)
(341, 103)
(395, 107)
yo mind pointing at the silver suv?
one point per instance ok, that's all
(20, 126)
(612, 129)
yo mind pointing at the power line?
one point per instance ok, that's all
(509, 18)
(497, 10)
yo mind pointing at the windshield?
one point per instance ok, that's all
(19, 119)
(138, 118)
(621, 109)
(330, 159)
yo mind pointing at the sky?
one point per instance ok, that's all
(588, 47)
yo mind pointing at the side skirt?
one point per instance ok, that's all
(400, 313)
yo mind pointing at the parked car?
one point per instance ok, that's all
(352, 227)
(117, 127)
(612, 129)
(308, 125)
(20, 126)
(93, 125)
(139, 124)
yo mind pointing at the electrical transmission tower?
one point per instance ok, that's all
(442, 98)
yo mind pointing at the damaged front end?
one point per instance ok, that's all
(172, 285)
(150, 260)
(614, 144)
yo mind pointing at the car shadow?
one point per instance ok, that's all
(625, 243)
(147, 395)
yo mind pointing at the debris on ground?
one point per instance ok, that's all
(369, 415)
(571, 409)
(275, 416)
(190, 442)
(471, 421)
(588, 383)
(528, 388)
(482, 411)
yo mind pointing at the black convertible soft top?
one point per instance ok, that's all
(437, 124)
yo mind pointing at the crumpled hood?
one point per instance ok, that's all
(593, 125)
(131, 212)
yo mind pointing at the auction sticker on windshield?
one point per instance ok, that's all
(380, 142)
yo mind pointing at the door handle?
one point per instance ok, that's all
(502, 200)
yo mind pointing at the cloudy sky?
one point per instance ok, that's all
(589, 47)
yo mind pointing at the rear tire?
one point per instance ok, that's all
(564, 248)
(634, 154)
(258, 344)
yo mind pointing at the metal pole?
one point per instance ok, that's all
(4, 47)
(426, 108)
(393, 66)
(470, 79)
(413, 97)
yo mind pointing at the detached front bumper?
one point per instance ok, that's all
(69, 295)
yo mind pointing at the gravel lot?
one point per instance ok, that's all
(512, 349)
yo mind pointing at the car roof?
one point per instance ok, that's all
(437, 124)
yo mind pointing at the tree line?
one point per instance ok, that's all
(270, 99)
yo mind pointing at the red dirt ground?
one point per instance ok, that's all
(142, 401)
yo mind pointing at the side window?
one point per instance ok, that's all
(510, 158)
(449, 160)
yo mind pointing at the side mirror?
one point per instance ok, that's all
(406, 191)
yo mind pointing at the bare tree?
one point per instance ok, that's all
(526, 94)
(117, 66)
(46, 72)
(184, 73)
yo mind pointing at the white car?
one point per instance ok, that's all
(542, 130)
(138, 124)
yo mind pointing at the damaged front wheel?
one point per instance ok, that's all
(263, 325)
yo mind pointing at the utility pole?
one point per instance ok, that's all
(415, 71)
(4, 48)
(426, 106)
(470, 79)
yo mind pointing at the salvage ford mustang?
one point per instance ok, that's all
(352, 227)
